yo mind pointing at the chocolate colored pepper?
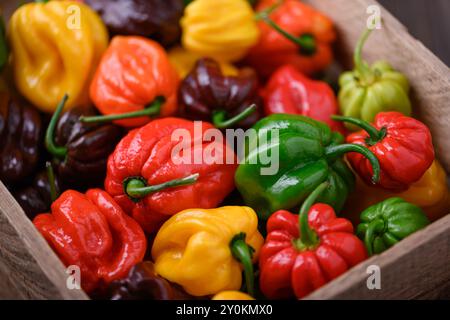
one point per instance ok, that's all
(80, 149)
(143, 283)
(156, 19)
(228, 101)
(20, 136)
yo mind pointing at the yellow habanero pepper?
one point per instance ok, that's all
(431, 193)
(56, 47)
(184, 61)
(205, 250)
(219, 29)
(232, 295)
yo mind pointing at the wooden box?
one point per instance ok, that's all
(418, 267)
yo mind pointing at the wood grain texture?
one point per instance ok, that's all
(429, 77)
(28, 267)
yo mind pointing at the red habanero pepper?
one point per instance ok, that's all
(92, 231)
(403, 146)
(303, 252)
(291, 33)
(289, 91)
(134, 82)
(151, 181)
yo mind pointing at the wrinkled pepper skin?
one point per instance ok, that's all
(147, 153)
(51, 59)
(403, 146)
(91, 231)
(232, 295)
(142, 283)
(430, 193)
(133, 72)
(368, 90)
(213, 29)
(306, 158)
(184, 61)
(290, 267)
(88, 148)
(273, 50)
(388, 222)
(21, 135)
(289, 91)
(156, 19)
(192, 248)
(206, 91)
(36, 197)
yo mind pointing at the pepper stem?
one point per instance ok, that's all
(242, 252)
(152, 109)
(337, 150)
(374, 134)
(137, 188)
(219, 117)
(376, 225)
(51, 181)
(59, 152)
(306, 42)
(360, 64)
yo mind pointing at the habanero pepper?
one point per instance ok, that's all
(232, 295)
(305, 251)
(205, 251)
(151, 181)
(154, 19)
(368, 90)
(403, 146)
(289, 91)
(21, 135)
(308, 153)
(92, 231)
(291, 33)
(133, 83)
(221, 29)
(388, 222)
(229, 101)
(80, 149)
(54, 52)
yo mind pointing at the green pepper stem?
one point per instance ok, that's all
(374, 226)
(360, 64)
(337, 150)
(308, 236)
(219, 117)
(242, 252)
(375, 134)
(305, 42)
(152, 109)
(51, 181)
(136, 188)
(59, 152)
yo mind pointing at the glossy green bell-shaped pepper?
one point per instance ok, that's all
(368, 90)
(386, 223)
(307, 154)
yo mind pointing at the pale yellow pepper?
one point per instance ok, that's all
(184, 61)
(431, 193)
(232, 295)
(196, 248)
(221, 29)
(56, 47)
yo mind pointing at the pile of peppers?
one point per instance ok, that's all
(115, 144)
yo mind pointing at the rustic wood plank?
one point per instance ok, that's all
(28, 266)
(429, 77)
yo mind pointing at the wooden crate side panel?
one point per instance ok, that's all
(27, 263)
(429, 77)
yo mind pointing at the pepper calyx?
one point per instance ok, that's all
(375, 135)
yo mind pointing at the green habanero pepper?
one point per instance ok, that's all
(368, 90)
(309, 153)
(386, 223)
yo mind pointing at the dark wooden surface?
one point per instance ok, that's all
(427, 20)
